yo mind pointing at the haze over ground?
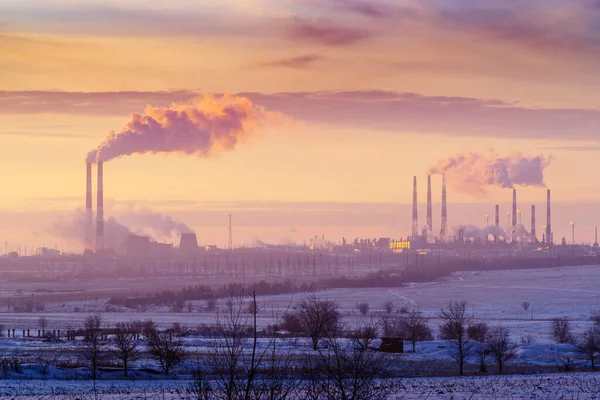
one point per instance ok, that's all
(379, 91)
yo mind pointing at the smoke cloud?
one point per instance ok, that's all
(205, 127)
(71, 228)
(149, 221)
(474, 172)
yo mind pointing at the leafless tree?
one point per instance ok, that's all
(589, 344)
(500, 347)
(148, 328)
(561, 330)
(126, 345)
(363, 307)
(211, 304)
(347, 370)
(242, 369)
(388, 306)
(94, 348)
(525, 305)
(42, 323)
(415, 328)
(167, 349)
(319, 318)
(478, 331)
(455, 322)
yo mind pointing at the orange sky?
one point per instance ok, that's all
(540, 61)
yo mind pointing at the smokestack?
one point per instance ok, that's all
(497, 220)
(514, 215)
(444, 229)
(429, 206)
(548, 220)
(100, 211)
(88, 208)
(533, 223)
(415, 213)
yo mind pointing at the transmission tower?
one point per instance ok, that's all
(230, 235)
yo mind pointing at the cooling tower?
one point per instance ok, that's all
(188, 243)
(444, 227)
(100, 211)
(89, 229)
(429, 207)
(415, 212)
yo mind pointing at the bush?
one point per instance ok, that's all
(363, 308)
(478, 332)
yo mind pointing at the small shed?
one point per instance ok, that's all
(392, 345)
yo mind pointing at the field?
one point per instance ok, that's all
(495, 297)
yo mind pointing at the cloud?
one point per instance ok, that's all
(384, 110)
(371, 9)
(300, 62)
(26, 134)
(325, 32)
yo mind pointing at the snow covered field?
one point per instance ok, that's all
(544, 387)
(495, 297)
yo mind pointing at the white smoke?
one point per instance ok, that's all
(474, 172)
(72, 228)
(206, 127)
(475, 233)
(148, 221)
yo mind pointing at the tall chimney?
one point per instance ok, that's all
(444, 229)
(415, 212)
(100, 211)
(89, 228)
(497, 219)
(429, 206)
(549, 238)
(533, 223)
(514, 216)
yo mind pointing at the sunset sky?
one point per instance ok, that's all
(373, 91)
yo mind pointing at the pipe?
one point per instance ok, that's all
(514, 215)
(415, 212)
(533, 224)
(549, 239)
(100, 211)
(88, 208)
(429, 206)
(444, 228)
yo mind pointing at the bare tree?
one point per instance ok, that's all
(363, 307)
(415, 328)
(211, 304)
(94, 348)
(319, 318)
(589, 344)
(500, 347)
(561, 330)
(525, 305)
(388, 306)
(347, 370)
(126, 345)
(42, 323)
(455, 321)
(167, 349)
(478, 331)
(242, 369)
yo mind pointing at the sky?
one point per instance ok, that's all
(370, 94)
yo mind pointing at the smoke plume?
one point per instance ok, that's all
(149, 221)
(474, 172)
(71, 228)
(206, 126)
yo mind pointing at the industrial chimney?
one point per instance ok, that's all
(497, 219)
(548, 220)
(534, 237)
(89, 228)
(429, 207)
(514, 216)
(444, 228)
(100, 211)
(415, 212)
